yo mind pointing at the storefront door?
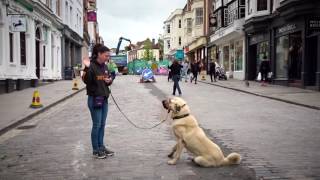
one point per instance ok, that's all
(295, 57)
(311, 60)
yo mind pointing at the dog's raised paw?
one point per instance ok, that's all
(171, 162)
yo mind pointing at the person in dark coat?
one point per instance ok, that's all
(175, 72)
(213, 71)
(194, 69)
(264, 69)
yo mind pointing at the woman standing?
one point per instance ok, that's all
(97, 79)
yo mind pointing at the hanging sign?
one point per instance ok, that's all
(18, 23)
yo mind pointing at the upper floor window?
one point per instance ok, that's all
(168, 28)
(58, 11)
(262, 5)
(249, 7)
(199, 16)
(189, 25)
(168, 44)
(48, 3)
(242, 2)
(179, 23)
(179, 41)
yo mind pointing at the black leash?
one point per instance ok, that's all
(162, 121)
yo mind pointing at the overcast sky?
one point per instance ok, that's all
(133, 19)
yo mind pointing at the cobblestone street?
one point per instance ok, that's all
(276, 140)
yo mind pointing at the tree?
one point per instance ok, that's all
(147, 46)
(160, 43)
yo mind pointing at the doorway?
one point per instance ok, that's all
(295, 58)
(252, 62)
(311, 60)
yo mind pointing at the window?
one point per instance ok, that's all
(168, 44)
(238, 56)
(242, 2)
(11, 40)
(70, 17)
(249, 7)
(262, 5)
(58, 7)
(44, 56)
(179, 41)
(242, 12)
(226, 17)
(199, 16)
(189, 25)
(23, 48)
(282, 51)
(219, 19)
(66, 13)
(168, 28)
(179, 23)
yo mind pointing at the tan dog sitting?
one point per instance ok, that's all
(190, 136)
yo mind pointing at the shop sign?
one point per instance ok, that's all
(287, 28)
(18, 23)
(314, 24)
(92, 16)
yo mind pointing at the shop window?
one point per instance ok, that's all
(199, 16)
(282, 52)
(238, 56)
(262, 5)
(11, 40)
(226, 58)
(23, 48)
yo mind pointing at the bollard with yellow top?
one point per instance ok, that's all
(36, 100)
(203, 75)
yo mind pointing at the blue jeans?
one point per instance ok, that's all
(176, 79)
(98, 116)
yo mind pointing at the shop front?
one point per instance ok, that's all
(258, 48)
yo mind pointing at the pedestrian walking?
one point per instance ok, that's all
(175, 70)
(194, 70)
(185, 71)
(97, 80)
(212, 71)
(264, 70)
(169, 73)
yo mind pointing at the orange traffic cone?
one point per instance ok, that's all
(36, 100)
(75, 85)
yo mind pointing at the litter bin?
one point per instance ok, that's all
(68, 73)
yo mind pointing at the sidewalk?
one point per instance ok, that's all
(292, 95)
(15, 106)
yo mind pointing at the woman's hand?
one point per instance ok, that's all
(108, 80)
(86, 61)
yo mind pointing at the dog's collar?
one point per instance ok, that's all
(182, 116)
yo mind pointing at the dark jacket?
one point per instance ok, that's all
(175, 69)
(212, 67)
(264, 67)
(194, 67)
(94, 79)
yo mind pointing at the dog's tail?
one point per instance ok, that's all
(233, 158)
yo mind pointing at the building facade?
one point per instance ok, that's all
(30, 43)
(173, 34)
(287, 32)
(227, 41)
(72, 39)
